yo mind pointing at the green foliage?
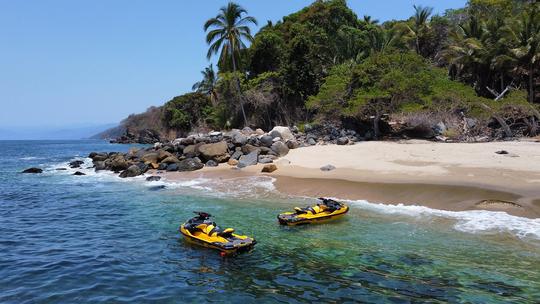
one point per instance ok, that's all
(185, 111)
(333, 93)
(266, 51)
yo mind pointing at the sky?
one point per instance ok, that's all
(91, 62)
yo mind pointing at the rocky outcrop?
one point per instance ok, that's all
(218, 152)
(153, 178)
(190, 164)
(33, 170)
(131, 171)
(78, 173)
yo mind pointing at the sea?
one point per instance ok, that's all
(98, 238)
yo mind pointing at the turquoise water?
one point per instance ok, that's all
(98, 238)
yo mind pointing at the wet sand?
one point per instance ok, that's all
(453, 177)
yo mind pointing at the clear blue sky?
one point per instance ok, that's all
(65, 62)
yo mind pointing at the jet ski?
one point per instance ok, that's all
(203, 231)
(326, 209)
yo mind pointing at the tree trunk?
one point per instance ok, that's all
(239, 89)
(531, 83)
(376, 121)
(506, 129)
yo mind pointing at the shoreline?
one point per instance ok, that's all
(445, 176)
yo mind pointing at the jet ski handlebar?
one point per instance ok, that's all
(203, 215)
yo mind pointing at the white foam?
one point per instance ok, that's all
(31, 158)
(474, 221)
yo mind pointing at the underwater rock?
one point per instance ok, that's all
(33, 170)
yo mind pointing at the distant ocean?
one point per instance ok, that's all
(100, 239)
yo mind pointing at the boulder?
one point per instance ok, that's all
(249, 159)
(144, 167)
(239, 139)
(232, 162)
(152, 157)
(171, 167)
(266, 140)
(131, 171)
(170, 160)
(211, 163)
(311, 141)
(118, 163)
(190, 164)
(162, 154)
(292, 144)
(61, 169)
(283, 132)
(265, 160)
(342, 141)
(33, 170)
(99, 165)
(95, 156)
(236, 155)
(75, 164)
(162, 166)
(247, 149)
(259, 131)
(78, 173)
(269, 168)
(280, 148)
(153, 178)
(247, 130)
(192, 150)
(328, 168)
(217, 152)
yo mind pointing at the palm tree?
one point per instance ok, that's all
(369, 21)
(226, 34)
(420, 18)
(208, 84)
(525, 33)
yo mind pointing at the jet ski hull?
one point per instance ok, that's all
(237, 245)
(294, 219)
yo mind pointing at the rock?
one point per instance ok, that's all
(192, 150)
(247, 149)
(131, 171)
(61, 169)
(153, 165)
(439, 128)
(342, 141)
(158, 145)
(259, 132)
(190, 164)
(162, 154)
(502, 152)
(152, 157)
(311, 141)
(76, 164)
(217, 152)
(265, 160)
(269, 168)
(295, 129)
(249, 159)
(280, 148)
(247, 130)
(266, 140)
(98, 156)
(78, 173)
(99, 165)
(170, 160)
(153, 178)
(172, 167)
(328, 168)
(33, 170)
(292, 144)
(162, 166)
(232, 162)
(143, 167)
(118, 163)
(215, 134)
(239, 139)
(283, 132)
(211, 163)
(236, 155)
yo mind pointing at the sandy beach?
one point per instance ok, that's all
(448, 176)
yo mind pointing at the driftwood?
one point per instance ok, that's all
(506, 129)
(498, 95)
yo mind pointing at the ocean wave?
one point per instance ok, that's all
(31, 158)
(472, 221)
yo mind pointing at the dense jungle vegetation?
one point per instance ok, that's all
(469, 72)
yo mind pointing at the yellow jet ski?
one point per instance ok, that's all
(325, 210)
(201, 230)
